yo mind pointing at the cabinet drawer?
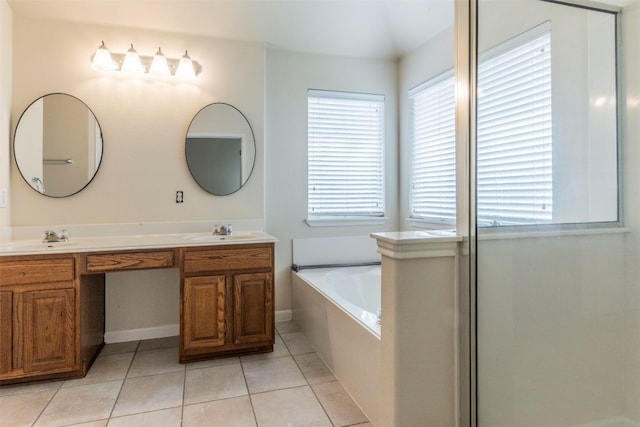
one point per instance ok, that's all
(100, 263)
(227, 259)
(27, 270)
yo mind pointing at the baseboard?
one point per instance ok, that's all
(283, 315)
(111, 337)
(142, 334)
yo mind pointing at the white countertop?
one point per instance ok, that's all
(417, 237)
(131, 242)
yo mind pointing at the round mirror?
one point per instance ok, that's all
(58, 145)
(220, 148)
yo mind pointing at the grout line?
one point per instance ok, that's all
(48, 403)
(115, 402)
(246, 384)
(134, 414)
(313, 391)
(184, 390)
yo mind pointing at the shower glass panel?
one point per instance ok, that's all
(553, 276)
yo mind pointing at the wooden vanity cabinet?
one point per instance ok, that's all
(226, 301)
(39, 326)
(42, 333)
(52, 305)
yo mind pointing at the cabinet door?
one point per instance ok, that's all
(203, 312)
(253, 308)
(49, 330)
(5, 331)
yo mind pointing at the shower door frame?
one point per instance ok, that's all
(467, 24)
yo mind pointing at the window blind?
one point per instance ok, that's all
(514, 158)
(514, 134)
(345, 154)
(433, 172)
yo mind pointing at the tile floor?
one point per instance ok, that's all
(142, 384)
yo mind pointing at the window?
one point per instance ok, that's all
(514, 166)
(514, 170)
(433, 172)
(345, 154)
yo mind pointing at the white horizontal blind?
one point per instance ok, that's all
(433, 172)
(345, 154)
(515, 178)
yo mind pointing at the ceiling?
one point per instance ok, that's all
(365, 28)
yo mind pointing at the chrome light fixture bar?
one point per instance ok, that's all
(134, 64)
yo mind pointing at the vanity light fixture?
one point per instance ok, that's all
(102, 60)
(131, 63)
(185, 67)
(157, 65)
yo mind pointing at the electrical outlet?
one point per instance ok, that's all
(179, 196)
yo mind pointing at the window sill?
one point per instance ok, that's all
(345, 221)
(499, 233)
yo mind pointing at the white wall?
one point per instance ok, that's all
(551, 330)
(6, 24)
(144, 122)
(631, 160)
(289, 76)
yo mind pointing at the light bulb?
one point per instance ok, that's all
(185, 67)
(159, 66)
(131, 63)
(102, 59)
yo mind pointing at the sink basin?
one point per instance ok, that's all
(238, 235)
(33, 245)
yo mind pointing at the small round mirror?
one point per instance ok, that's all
(220, 149)
(58, 145)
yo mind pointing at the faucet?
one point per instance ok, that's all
(53, 237)
(222, 230)
(38, 184)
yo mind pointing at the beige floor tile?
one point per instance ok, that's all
(272, 374)
(313, 368)
(119, 347)
(154, 344)
(297, 343)
(338, 404)
(219, 382)
(279, 350)
(99, 423)
(150, 393)
(294, 407)
(29, 387)
(74, 405)
(24, 408)
(286, 327)
(164, 418)
(153, 362)
(235, 412)
(212, 362)
(105, 368)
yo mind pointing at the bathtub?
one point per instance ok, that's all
(337, 311)
(356, 290)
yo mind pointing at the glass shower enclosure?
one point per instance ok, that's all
(556, 167)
